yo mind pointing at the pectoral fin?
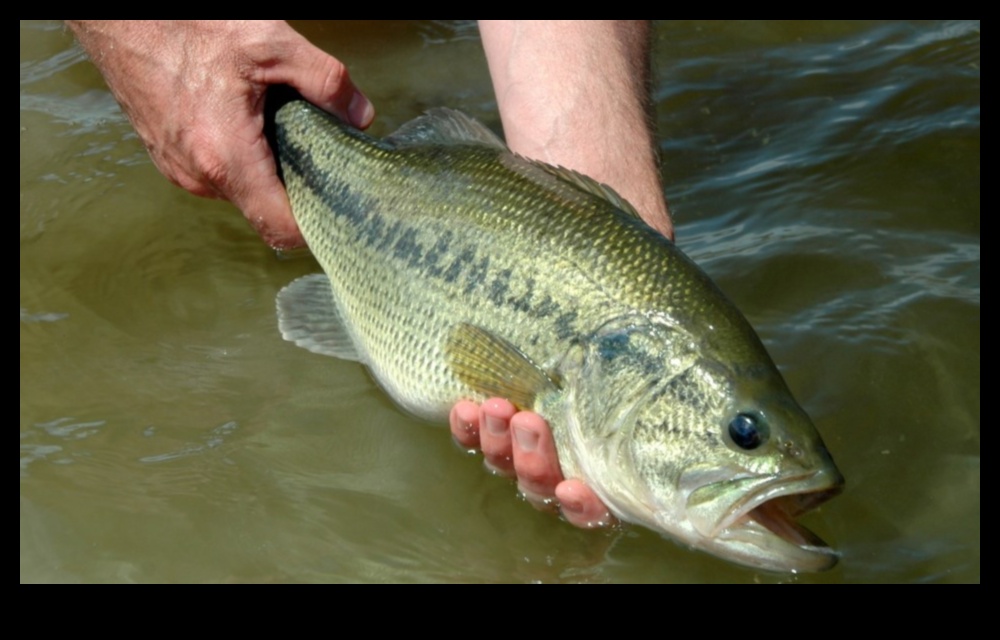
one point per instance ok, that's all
(494, 367)
(308, 316)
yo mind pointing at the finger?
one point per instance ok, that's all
(270, 214)
(252, 184)
(325, 81)
(535, 459)
(581, 506)
(494, 435)
(464, 423)
(186, 179)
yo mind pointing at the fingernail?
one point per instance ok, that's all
(360, 111)
(527, 439)
(496, 426)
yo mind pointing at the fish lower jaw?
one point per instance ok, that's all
(751, 519)
(754, 544)
(767, 535)
(750, 540)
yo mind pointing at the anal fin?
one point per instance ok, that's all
(308, 316)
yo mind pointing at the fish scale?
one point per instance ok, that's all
(385, 257)
(455, 269)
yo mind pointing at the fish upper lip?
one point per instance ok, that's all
(766, 519)
(778, 515)
(782, 500)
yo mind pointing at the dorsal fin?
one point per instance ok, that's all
(446, 127)
(450, 127)
(587, 184)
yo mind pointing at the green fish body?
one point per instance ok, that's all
(455, 269)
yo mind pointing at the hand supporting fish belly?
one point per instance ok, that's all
(520, 443)
(456, 270)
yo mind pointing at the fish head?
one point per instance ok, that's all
(712, 450)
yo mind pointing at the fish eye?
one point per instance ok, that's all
(610, 347)
(747, 431)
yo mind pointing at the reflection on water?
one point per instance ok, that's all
(825, 174)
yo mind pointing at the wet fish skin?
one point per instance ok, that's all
(455, 269)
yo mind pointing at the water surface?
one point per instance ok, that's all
(826, 174)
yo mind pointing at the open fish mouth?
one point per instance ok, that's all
(767, 525)
(778, 515)
(753, 520)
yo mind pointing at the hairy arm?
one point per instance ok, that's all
(576, 94)
(194, 91)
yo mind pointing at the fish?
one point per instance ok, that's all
(455, 269)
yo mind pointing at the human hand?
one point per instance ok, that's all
(194, 91)
(520, 444)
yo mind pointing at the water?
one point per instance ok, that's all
(826, 174)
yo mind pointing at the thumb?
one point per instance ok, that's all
(254, 187)
(324, 81)
(271, 215)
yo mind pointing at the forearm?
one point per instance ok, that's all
(575, 93)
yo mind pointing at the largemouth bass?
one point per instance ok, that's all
(455, 269)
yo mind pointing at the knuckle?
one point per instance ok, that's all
(335, 77)
(533, 475)
(182, 178)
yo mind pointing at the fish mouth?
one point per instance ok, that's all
(778, 515)
(759, 528)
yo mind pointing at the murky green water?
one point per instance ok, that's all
(825, 174)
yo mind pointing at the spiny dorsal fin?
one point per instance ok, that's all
(308, 316)
(450, 127)
(446, 127)
(494, 367)
(587, 184)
